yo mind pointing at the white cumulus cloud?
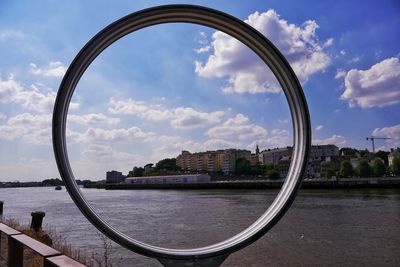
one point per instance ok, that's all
(8, 35)
(238, 127)
(276, 138)
(246, 73)
(107, 153)
(378, 86)
(32, 129)
(173, 149)
(121, 135)
(203, 49)
(332, 140)
(93, 119)
(190, 118)
(180, 117)
(36, 130)
(53, 69)
(392, 132)
(283, 121)
(319, 127)
(340, 74)
(33, 99)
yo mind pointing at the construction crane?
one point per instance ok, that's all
(373, 138)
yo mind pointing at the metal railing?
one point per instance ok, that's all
(17, 241)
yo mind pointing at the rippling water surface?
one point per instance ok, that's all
(323, 227)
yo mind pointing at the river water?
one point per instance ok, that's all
(323, 227)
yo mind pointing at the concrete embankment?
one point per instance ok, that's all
(393, 182)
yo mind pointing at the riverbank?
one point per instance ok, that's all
(50, 244)
(375, 182)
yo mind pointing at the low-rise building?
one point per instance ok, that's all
(272, 156)
(283, 166)
(114, 177)
(330, 163)
(322, 158)
(393, 154)
(321, 152)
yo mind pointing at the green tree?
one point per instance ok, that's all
(243, 166)
(363, 168)
(383, 155)
(258, 169)
(329, 173)
(346, 169)
(269, 167)
(167, 165)
(138, 171)
(86, 182)
(347, 151)
(396, 165)
(273, 174)
(378, 167)
(363, 152)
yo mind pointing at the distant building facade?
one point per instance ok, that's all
(272, 156)
(283, 166)
(394, 152)
(255, 158)
(114, 177)
(322, 158)
(223, 160)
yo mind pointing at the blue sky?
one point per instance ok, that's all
(183, 86)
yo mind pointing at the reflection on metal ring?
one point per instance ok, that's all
(252, 39)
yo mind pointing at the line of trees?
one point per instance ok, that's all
(376, 167)
(244, 167)
(161, 167)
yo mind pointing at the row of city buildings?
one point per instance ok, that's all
(322, 157)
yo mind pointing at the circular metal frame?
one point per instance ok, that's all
(248, 36)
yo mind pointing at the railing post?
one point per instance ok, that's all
(1, 207)
(37, 219)
(15, 253)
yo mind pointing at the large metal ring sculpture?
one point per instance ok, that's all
(212, 255)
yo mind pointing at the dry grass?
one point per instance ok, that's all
(105, 258)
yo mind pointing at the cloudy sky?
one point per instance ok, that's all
(180, 86)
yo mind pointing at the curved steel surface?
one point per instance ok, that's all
(248, 36)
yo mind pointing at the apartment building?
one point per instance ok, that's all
(212, 161)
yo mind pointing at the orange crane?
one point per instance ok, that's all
(372, 138)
